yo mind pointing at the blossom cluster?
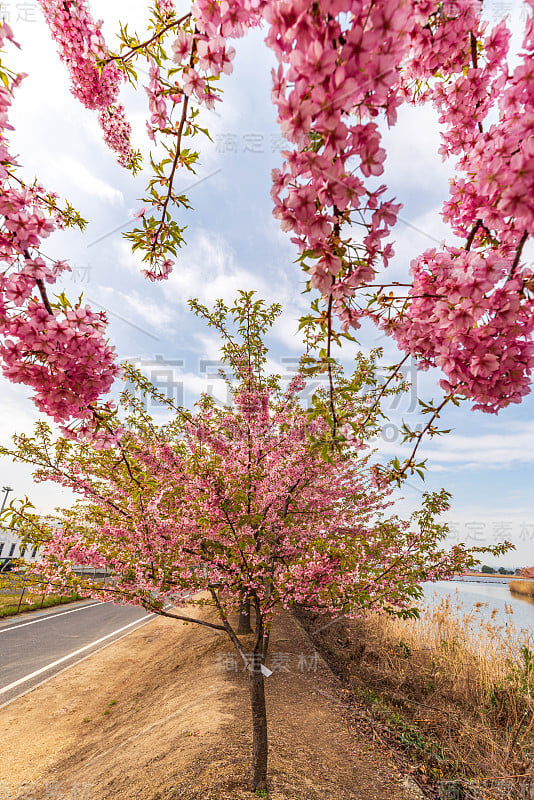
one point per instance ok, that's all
(466, 320)
(471, 309)
(81, 45)
(60, 352)
(201, 54)
(340, 68)
(117, 131)
(167, 6)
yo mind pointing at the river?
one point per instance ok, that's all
(491, 595)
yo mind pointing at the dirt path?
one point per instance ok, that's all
(164, 714)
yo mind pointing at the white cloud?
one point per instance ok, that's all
(286, 330)
(208, 270)
(138, 309)
(412, 147)
(512, 447)
(19, 416)
(82, 178)
(18, 412)
(209, 345)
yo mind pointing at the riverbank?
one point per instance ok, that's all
(452, 692)
(525, 588)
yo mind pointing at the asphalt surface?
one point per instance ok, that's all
(36, 646)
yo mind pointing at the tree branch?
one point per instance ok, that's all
(384, 387)
(176, 157)
(229, 630)
(183, 618)
(157, 35)
(328, 350)
(472, 233)
(42, 290)
(518, 254)
(409, 461)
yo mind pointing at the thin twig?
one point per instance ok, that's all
(330, 378)
(176, 157)
(157, 35)
(435, 415)
(518, 253)
(384, 387)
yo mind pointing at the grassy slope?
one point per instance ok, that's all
(9, 603)
(453, 694)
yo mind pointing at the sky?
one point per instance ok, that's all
(233, 242)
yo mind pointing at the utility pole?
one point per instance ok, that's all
(7, 490)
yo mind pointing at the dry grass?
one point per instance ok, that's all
(473, 657)
(522, 587)
(455, 691)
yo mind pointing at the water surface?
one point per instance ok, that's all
(491, 596)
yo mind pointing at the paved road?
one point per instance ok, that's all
(38, 645)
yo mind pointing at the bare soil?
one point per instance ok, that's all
(164, 713)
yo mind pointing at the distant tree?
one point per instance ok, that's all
(527, 572)
(488, 570)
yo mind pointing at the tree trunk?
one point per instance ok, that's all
(259, 726)
(243, 627)
(265, 646)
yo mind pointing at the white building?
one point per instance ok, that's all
(10, 547)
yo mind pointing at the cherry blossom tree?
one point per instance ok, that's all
(220, 507)
(255, 530)
(527, 572)
(344, 66)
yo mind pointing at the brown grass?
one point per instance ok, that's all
(455, 692)
(522, 587)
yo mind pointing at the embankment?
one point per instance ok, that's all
(164, 714)
(452, 692)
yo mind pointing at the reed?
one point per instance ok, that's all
(522, 587)
(455, 688)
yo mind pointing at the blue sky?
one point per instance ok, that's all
(234, 242)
